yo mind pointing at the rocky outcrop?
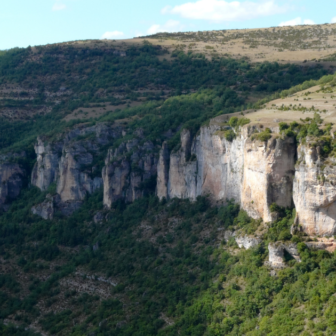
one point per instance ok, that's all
(276, 253)
(268, 175)
(247, 242)
(322, 243)
(314, 191)
(46, 209)
(71, 161)
(11, 179)
(163, 171)
(128, 171)
(75, 168)
(253, 173)
(182, 175)
(46, 169)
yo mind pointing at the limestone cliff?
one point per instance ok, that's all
(72, 162)
(314, 191)
(75, 168)
(253, 173)
(46, 169)
(128, 169)
(268, 175)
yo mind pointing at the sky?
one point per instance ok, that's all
(37, 22)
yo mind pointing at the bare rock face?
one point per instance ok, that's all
(329, 246)
(219, 164)
(75, 169)
(163, 172)
(209, 165)
(11, 183)
(254, 174)
(70, 162)
(276, 253)
(46, 169)
(247, 242)
(314, 192)
(47, 207)
(182, 180)
(268, 176)
(127, 171)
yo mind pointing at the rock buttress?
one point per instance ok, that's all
(314, 192)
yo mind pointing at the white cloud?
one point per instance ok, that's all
(112, 35)
(58, 6)
(169, 26)
(333, 20)
(221, 11)
(308, 22)
(296, 21)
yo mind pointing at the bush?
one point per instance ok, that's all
(263, 136)
(229, 135)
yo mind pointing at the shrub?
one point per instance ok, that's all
(229, 135)
(263, 136)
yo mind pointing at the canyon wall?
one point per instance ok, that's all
(314, 191)
(129, 171)
(253, 173)
(85, 159)
(73, 163)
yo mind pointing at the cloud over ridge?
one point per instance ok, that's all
(112, 34)
(296, 21)
(169, 27)
(221, 10)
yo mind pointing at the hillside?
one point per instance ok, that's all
(306, 43)
(148, 190)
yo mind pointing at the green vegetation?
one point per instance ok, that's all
(229, 135)
(98, 77)
(281, 38)
(152, 267)
(264, 135)
(236, 122)
(179, 271)
(312, 128)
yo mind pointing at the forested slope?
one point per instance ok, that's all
(151, 267)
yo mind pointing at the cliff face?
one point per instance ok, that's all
(71, 162)
(75, 163)
(128, 170)
(182, 172)
(268, 176)
(46, 170)
(253, 173)
(75, 168)
(314, 192)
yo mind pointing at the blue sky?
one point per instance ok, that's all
(36, 22)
